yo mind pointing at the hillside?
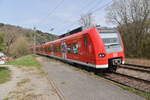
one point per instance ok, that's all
(15, 40)
(42, 37)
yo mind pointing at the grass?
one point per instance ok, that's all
(5, 75)
(138, 92)
(28, 61)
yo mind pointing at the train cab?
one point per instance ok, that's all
(113, 54)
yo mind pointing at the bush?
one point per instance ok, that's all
(20, 47)
(1, 41)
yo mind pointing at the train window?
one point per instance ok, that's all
(69, 49)
(49, 49)
(54, 49)
(85, 41)
(72, 48)
(75, 48)
(46, 49)
(63, 47)
(59, 49)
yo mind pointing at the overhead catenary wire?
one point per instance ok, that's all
(81, 9)
(51, 12)
(101, 7)
(92, 11)
(87, 5)
(94, 6)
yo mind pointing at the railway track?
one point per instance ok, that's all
(139, 66)
(127, 80)
(130, 81)
(136, 68)
(138, 83)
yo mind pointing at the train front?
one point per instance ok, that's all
(114, 49)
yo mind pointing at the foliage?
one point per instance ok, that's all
(20, 47)
(1, 41)
(15, 41)
(132, 18)
(146, 47)
(28, 60)
(5, 75)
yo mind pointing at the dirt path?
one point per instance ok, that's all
(27, 84)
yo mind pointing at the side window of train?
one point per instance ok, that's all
(54, 48)
(69, 48)
(75, 48)
(49, 49)
(85, 41)
(72, 48)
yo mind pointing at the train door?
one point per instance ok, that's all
(52, 50)
(85, 48)
(64, 50)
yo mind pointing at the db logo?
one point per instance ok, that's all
(115, 54)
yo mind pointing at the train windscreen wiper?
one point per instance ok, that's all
(112, 44)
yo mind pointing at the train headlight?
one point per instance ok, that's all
(101, 55)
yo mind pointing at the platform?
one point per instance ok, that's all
(77, 85)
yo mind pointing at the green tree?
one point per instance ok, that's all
(1, 41)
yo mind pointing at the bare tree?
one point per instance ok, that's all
(87, 20)
(131, 16)
(10, 37)
(19, 47)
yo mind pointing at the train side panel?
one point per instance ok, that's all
(86, 47)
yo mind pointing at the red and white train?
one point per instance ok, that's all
(96, 47)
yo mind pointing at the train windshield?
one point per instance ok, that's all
(110, 38)
(111, 41)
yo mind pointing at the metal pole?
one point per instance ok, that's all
(34, 40)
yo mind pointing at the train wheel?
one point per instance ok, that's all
(99, 71)
(112, 68)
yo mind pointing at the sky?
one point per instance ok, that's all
(61, 15)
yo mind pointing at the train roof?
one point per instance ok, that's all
(79, 29)
(106, 29)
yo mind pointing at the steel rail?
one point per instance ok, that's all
(140, 66)
(132, 77)
(135, 69)
(122, 83)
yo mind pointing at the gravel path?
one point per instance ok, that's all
(27, 83)
(8, 86)
(76, 85)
